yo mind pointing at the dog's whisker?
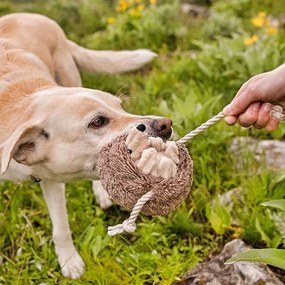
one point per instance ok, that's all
(120, 93)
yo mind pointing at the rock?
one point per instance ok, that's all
(194, 10)
(228, 198)
(215, 272)
(269, 152)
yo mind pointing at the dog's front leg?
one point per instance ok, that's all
(71, 263)
(101, 195)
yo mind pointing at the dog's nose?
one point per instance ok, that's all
(162, 127)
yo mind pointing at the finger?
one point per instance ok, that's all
(243, 87)
(249, 117)
(272, 124)
(245, 96)
(231, 120)
(264, 115)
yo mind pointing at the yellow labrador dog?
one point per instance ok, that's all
(52, 129)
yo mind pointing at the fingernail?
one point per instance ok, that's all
(227, 110)
(230, 120)
(267, 107)
(256, 106)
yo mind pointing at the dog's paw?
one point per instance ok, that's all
(104, 200)
(102, 197)
(72, 265)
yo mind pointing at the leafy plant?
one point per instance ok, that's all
(271, 256)
(275, 257)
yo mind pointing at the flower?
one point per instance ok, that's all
(122, 6)
(250, 40)
(152, 2)
(271, 30)
(111, 20)
(261, 14)
(260, 20)
(140, 8)
(269, 25)
(135, 12)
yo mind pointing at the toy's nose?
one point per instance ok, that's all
(162, 127)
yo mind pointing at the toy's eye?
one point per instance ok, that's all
(98, 122)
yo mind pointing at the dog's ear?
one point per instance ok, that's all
(23, 146)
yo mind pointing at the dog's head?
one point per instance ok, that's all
(67, 129)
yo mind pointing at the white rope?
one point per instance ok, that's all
(201, 128)
(276, 112)
(129, 225)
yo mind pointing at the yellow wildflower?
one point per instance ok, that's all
(140, 8)
(138, 1)
(122, 6)
(250, 40)
(111, 20)
(152, 2)
(271, 30)
(258, 21)
(261, 14)
(135, 12)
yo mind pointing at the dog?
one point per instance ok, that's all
(53, 129)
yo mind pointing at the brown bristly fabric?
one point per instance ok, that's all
(125, 183)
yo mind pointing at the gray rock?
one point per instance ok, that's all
(269, 152)
(215, 272)
(194, 10)
(229, 200)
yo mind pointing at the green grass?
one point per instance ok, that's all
(189, 87)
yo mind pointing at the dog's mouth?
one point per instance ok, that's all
(165, 136)
(153, 126)
(165, 133)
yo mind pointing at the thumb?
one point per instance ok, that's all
(238, 105)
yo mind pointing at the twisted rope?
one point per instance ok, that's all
(201, 128)
(129, 225)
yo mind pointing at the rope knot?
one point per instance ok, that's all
(127, 226)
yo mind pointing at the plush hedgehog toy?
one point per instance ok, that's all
(130, 166)
(146, 174)
(136, 164)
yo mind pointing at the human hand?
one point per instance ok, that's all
(252, 106)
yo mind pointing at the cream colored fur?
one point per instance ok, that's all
(51, 128)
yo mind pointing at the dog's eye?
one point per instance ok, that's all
(98, 122)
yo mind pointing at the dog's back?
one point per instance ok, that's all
(45, 39)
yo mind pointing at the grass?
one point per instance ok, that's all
(200, 65)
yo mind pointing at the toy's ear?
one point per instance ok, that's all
(22, 146)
